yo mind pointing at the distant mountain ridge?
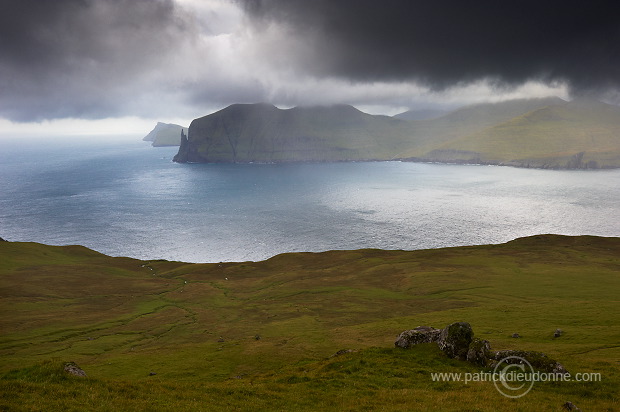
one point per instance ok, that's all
(547, 133)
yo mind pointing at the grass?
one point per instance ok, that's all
(261, 335)
(550, 136)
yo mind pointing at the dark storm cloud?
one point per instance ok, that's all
(443, 43)
(79, 58)
(94, 59)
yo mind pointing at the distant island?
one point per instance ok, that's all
(165, 134)
(539, 133)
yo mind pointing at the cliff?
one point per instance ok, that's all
(165, 134)
(263, 133)
(548, 133)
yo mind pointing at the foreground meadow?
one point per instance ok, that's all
(160, 335)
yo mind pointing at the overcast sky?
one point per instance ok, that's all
(127, 63)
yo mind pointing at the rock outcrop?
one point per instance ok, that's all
(455, 339)
(457, 342)
(421, 334)
(538, 360)
(182, 155)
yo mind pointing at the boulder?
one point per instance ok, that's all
(73, 369)
(479, 351)
(538, 360)
(421, 334)
(457, 341)
(454, 340)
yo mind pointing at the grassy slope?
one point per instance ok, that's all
(195, 325)
(550, 136)
(428, 135)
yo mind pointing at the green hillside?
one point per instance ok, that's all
(579, 134)
(162, 335)
(428, 135)
(165, 134)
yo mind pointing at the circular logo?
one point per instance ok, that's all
(511, 376)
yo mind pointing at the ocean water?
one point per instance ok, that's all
(130, 199)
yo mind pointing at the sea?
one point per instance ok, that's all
(126, 198)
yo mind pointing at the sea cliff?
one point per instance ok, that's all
(540, 133)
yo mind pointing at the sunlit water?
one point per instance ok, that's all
(129, 199)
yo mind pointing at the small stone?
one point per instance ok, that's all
(73, 369)
(569, 406)
(559, 369)
(515, 335)
(152, 374)
(342, 352)
(558, 333)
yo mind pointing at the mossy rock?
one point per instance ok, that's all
(479, 351)
(455, 339)
(421, 334)
(538, 360)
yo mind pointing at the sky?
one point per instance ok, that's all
(118, 66)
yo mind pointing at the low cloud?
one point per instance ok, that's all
(87, 58)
